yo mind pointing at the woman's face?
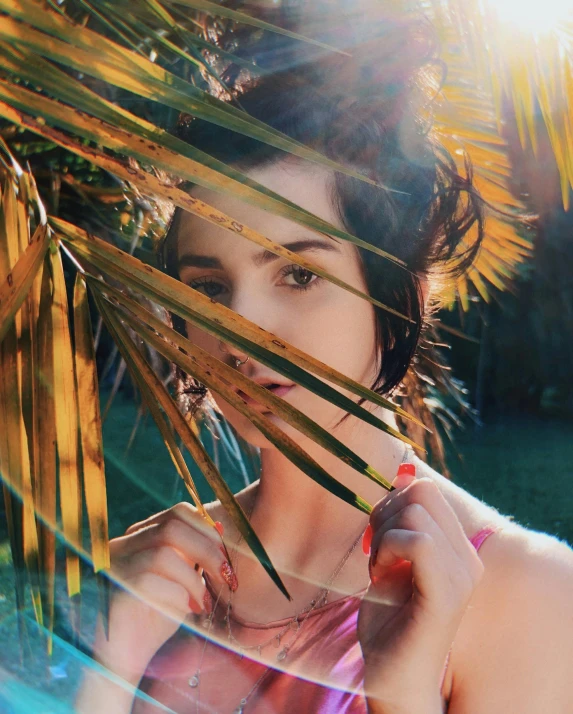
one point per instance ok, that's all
(301, 308)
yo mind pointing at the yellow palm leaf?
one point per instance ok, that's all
(154, 390)
(66, 412)
(217, 319)
(90, 427)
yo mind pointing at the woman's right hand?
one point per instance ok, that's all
(158, 567)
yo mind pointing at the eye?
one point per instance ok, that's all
(207, 286)
(297, 277)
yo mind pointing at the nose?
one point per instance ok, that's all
(236, 356)
(248, 303)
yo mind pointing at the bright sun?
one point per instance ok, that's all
(533, 16)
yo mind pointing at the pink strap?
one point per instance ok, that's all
(477, 539)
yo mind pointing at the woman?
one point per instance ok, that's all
(410, 610)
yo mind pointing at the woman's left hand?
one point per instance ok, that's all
(423, 572)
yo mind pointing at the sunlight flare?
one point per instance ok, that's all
(532, 16)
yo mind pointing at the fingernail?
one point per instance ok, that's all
(219, 527)
(194, 607)
(406, 474)
(409, 469)
(367, 540)
(374, 578)
(374, 556)
(208, 602)
(229, 575)
(371, 562)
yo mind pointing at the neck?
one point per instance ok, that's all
(295, 517)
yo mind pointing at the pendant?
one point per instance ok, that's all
(194, 681)
(282, 654)
(295, 625)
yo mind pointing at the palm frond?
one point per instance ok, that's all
(51, 60)
(530, 67)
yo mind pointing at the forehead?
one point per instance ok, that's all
(308, 186)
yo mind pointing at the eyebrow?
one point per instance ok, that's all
(263, 257)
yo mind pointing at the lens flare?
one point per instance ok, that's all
(536, 17)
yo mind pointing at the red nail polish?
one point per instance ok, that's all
(229, 576)
(374, 556)
(194, 607)
(371, 562)
(375, 578)
(406, 470)
(367, 540)
(219, 527)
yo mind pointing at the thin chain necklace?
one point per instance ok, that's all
(294, 624)
(194, 681)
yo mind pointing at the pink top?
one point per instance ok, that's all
(326, 660)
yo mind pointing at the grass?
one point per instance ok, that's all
(523, 466)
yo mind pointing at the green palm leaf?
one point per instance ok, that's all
(220, 378)
(218, 320)
(35, 336)
(168, 153)
(153, 389)
(95, 55)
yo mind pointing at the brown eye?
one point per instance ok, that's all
(302, 276)
(299, 278)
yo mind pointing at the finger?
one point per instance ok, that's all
(155, 518)
(439, 578)
(193, 545)
(169, 564)
(425, 492)
(406, 474)
(412, 517)
(420, 550)
(166, 596)
(184, 511)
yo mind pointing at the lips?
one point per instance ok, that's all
(279, 390)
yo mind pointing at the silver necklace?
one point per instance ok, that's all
(294, 624)
(194, 681)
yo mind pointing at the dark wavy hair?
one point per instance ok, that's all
(371, 115)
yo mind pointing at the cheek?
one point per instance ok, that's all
(342, 335)
(203, 340)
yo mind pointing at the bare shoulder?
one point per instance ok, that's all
(514, 648)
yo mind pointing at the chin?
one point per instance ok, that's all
(313, 407)
(251, 434)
